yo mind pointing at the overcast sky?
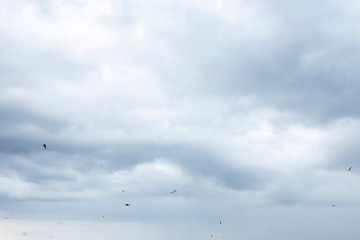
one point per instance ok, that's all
(249, 109)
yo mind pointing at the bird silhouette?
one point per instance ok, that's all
(349, 169)
(44, 145)
(173, 191)
(123, 191)
(333, 205)
(127, 205)
(220, 222)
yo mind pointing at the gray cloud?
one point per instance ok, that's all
(244, 108)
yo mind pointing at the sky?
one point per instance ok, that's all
(248, 109)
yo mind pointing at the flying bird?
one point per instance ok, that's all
(44, 145)
(127, 205)
(173, 191)
(123, 191)
(333, 205)
(349, 169)
(220, 222)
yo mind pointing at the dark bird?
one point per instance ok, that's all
(333, 205)
(126, 204)
(349, 169)
(44, 145)
(173, 191)
(123, 191)
(220, 222)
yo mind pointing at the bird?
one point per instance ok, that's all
(123, 191)
(172, 192)
(44, 145)
(333, 205)
(349, 169)
(220, 222)
(127, 205)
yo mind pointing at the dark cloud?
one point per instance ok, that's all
(306, 66)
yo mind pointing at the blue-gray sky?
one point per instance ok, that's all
(249, 109)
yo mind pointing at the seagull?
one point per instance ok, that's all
(44, 145)
(126, 204)
(173, 191)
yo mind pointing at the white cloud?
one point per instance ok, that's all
(245, 108)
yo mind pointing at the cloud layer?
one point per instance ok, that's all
(245, 108)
